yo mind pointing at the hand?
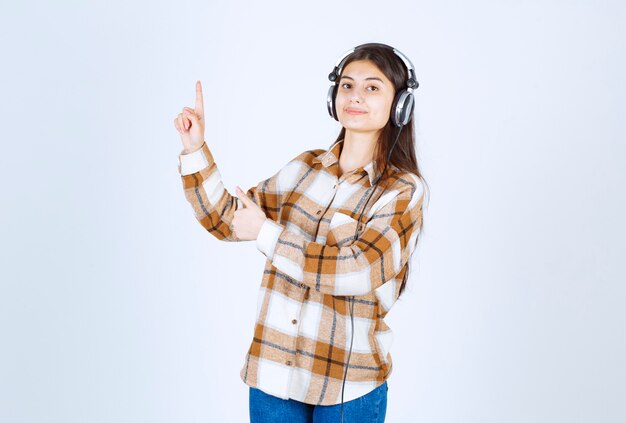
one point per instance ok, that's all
(190, 124)
(247, 221)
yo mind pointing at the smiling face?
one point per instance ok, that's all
(364, 98)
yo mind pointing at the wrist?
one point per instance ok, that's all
(192, 149)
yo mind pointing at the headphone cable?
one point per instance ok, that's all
(351, 299)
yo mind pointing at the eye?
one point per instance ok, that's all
(373, 88)
(345, 85)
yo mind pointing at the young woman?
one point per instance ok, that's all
(338, 228)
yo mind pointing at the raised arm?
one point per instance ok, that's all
(214, 206)
(377, 256)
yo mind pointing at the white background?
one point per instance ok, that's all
(115, 304)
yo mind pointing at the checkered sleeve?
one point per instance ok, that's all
(214, 207)
(380, 252)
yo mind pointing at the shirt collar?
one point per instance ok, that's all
(330, 157)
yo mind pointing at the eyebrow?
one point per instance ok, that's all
(371, 78)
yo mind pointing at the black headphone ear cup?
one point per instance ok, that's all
(330, 101)
(402, 108)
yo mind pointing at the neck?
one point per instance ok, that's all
(358, 150)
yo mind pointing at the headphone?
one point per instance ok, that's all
(402, 107)
(401, 112)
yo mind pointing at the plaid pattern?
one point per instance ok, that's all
(313, 268)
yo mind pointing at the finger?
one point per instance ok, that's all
(199, 100)
(176, 124)
(181, 125)
(181, 121)
(187, 111)
(191, 117)
(247, 202)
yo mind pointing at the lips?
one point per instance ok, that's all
(353, 111)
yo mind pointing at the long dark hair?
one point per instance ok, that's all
(403, 155)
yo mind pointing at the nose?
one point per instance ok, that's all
(356, 97)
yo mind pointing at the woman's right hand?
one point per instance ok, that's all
(190, 124)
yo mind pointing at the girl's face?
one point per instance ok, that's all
(364, 97)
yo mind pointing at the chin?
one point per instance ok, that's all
(359, 127)
(356, 126)
(351, 124)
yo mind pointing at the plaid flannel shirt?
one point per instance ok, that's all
(302, 333)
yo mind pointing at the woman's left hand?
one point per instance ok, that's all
(247, 221)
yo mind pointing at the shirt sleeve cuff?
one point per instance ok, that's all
(268, 237)
(194, 162)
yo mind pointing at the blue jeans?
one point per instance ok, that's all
(370, 408)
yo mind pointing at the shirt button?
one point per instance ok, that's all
(288, 363)
(294, 321)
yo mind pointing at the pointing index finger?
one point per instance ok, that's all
(247, 202)
(199, 100)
